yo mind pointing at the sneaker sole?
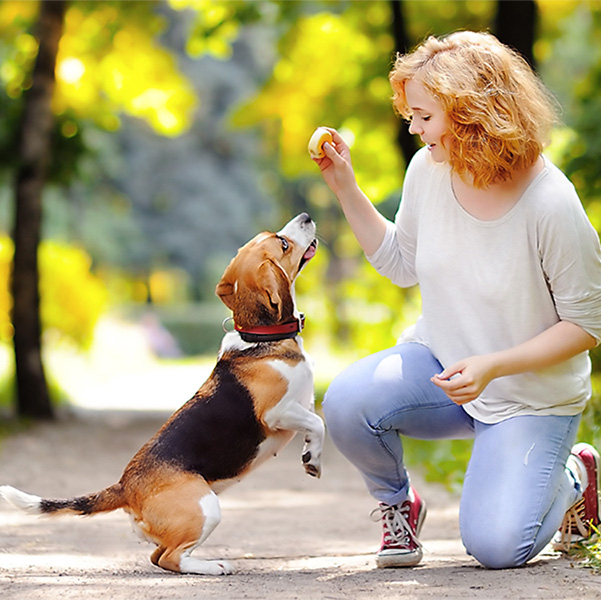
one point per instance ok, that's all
(403, 559)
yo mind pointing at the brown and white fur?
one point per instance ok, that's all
(257, 397)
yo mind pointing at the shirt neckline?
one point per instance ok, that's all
(509, 213)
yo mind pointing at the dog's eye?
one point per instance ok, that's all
(284, 242)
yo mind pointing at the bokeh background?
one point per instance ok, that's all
(175, 131)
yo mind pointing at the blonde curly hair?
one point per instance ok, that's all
(500, 113)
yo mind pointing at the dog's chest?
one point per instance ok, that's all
(280, 419)
(299, 379)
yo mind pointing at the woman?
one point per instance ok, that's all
(509, 269)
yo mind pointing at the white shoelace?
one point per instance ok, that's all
(396, 527)
(572, 525)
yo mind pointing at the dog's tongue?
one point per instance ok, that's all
(310, 252)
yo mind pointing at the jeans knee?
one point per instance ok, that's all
(341, 408)
(497, 548)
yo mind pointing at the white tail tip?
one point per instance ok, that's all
(21, 500)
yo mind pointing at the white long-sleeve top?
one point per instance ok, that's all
(490, 285)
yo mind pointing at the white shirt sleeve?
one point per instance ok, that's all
(395, 258)
(571, 259)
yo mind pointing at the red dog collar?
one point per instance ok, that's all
(272, 333)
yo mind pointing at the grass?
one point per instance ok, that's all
(588, 554)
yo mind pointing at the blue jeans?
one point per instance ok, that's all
(516, 488)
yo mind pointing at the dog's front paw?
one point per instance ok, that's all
(312, 468)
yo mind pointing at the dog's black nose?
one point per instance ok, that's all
(305, 218)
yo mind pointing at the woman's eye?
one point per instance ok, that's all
(426, 118)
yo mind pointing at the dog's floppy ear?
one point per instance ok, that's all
(225, 291)
(226, 288)
(274, 282)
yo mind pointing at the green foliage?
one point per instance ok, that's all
(569, 45)
(72, 297)
(588, 553)
(590, 426)
(362, 312)
(66, 142)
(217, 24)
(349, 91)
(439, 17)
(108, 62)
(196, 328)
(441, 461)
(7, 388)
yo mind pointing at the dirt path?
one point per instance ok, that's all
(289, 536)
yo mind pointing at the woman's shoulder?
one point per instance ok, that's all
(552, 190)
(553, 202)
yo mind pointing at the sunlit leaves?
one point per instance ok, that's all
(72, 297)
(216, 26)
(108, 63)
(6, 256)
(570, 46)
(439, 17)
(324, 77)
(117, 66)
(17, 56)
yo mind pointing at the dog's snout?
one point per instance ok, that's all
(299, 229)
(303, 220)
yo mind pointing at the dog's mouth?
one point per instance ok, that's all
(309, 254)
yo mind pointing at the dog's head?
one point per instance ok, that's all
(258, 284)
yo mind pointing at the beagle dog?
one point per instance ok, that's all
(258, 396)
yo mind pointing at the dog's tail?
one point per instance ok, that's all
(108, 499)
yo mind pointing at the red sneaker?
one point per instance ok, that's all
(401, 525)
(580, 518)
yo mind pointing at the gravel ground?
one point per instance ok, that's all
(288, 535)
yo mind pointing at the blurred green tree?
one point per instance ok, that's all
(32, 155)
(106, 62)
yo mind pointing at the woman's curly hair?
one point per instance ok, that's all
(501, 114)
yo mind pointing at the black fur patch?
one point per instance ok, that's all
(215, 436)
(83, 505)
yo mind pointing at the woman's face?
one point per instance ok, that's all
(428, 120)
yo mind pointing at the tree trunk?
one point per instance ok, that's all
(515, 25)
(406, 142)
(33, 399)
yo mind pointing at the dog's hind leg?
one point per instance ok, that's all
(181, 555)
(156, 555)
(178, 519)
